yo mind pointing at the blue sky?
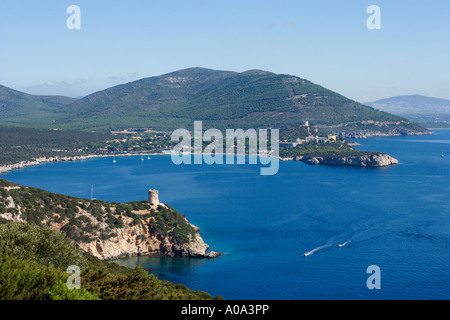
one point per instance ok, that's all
(324, 41)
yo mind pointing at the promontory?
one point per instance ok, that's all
(104, 229)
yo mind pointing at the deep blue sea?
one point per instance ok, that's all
(397, 218)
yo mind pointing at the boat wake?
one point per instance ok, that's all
(317, 249)
(340, 245)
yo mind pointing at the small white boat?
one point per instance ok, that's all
(340, 245)
(114, 161)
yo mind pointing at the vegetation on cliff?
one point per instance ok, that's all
(337, 149)
(34, 261)
(84, 221)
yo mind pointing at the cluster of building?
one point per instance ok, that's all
(133, 130)
(293, 144)
(308, 139)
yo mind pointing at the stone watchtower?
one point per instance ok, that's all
(153, 197)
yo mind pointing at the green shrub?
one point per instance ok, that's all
(60, 291)
(26, 280)
(43, 245)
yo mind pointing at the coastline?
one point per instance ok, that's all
(338, 161)
(43, 160)
(128, 239)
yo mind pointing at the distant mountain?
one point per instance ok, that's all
(56, 101)
(221, 99)
(225, 99)
(412, 104)
(427, 111)
(15, 102)
(18, 108)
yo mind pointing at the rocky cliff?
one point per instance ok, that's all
(106, 230)
(129, 242)
(366, 160)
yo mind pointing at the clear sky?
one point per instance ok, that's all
(324, 41)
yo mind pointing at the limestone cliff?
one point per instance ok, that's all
(128, 242)
(106, 230)
(366, 160)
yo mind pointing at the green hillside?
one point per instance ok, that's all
(222, 99)
(86, 221)
(22, 109)
(26, 144)
(34, 261)
(55, 101)
(47, 237)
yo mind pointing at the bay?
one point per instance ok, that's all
(397, 218)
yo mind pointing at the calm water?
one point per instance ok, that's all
(397, 218)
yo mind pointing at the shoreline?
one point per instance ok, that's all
(43, 160)
(39, 161)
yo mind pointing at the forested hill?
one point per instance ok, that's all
(26, 144)
(222, 99)
(22, 109)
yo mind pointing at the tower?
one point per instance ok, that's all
(153, 197)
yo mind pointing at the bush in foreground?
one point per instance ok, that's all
(34, 260)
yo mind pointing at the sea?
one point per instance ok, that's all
(308, 232)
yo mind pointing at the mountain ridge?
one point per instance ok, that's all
(221, 99)
(429, 112)
(410, 104)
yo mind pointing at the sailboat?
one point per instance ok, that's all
(442, 155)
(142, 158)
(114, 161)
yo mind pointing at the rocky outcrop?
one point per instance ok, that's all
(363, 134)
(369, 160)
(107, 230)
(12, 211)
(128, 242)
